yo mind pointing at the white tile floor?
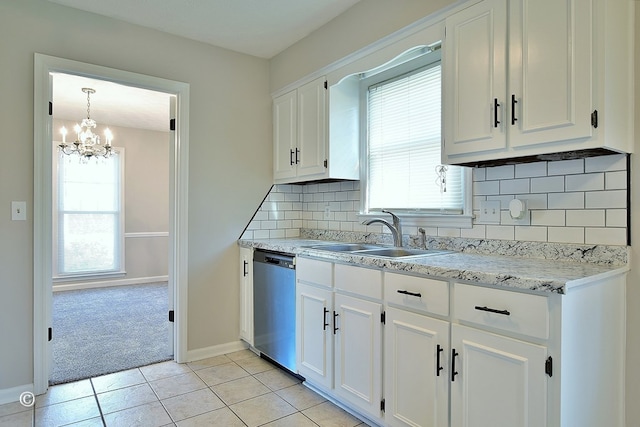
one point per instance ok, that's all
(237, 389)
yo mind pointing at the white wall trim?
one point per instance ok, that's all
(44, 65)
(10, 395)
(215, 350)
(144, 234)
(109, 283)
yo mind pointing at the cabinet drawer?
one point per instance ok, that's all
(510, 311)
(361, 281)
(418, 293)
(316, 272)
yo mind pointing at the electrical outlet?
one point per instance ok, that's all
(490, 211)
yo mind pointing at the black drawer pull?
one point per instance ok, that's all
(324, 319)
(335, 328)
(245, 268)
(514, 101)
(438, 367)
(413, 294)
(496, 122)
(493, 310)
(454, 353)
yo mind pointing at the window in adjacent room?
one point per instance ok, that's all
(402, 168)
(88, 221)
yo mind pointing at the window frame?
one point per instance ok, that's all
(59, 276)
(412, 61)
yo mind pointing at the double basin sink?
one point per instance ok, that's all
(376, 250)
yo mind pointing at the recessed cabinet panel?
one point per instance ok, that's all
(285, 134)
(498, 381)
(312, 128)
(416, 370)
(550, 70)
(475, 76)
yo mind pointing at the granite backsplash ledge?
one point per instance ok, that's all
(592, 254)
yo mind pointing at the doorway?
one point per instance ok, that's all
(45, 67)
(110, 230)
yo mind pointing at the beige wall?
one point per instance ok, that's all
(229, 150)
(146, 197)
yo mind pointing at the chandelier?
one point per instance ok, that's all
(87, 144)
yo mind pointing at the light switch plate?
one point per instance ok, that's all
(18, 211)
(490, 212)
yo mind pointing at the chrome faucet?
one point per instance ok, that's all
(396, 228)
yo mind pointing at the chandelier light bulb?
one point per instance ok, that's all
(63, 131)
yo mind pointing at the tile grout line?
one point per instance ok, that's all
(95, 395)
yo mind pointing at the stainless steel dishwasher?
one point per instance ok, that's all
(274, 307)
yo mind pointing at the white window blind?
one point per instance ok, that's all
(89, 218)
(404, 143)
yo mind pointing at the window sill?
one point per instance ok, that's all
(85, 277)
(425, 220)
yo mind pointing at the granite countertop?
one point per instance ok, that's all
(541, 275)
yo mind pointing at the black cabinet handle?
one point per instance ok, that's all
(454, 353)
(413, 294)
(335, 328)
(493, 310)
(297, 159)
(496, 122)
(245, 268)
(514, 101)
(438, 367)
(324, 319)
(291, 157)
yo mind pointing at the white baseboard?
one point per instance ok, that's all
(216, 350)
(10, 395)
(108, 283)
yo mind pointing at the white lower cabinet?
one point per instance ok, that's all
(246, 295)
(496, 381)
(460, 354)
(358, 353)
(416, 368)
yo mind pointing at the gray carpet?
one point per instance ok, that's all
(105, 330)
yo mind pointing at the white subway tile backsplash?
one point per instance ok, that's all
(530, 170)
(615, 180)
(514, 186)
(565, 234)
(606, 236)
(616, 218)
(614, 199)
(548, 218)
(500, 172)
(565, 201)
(565, 167)
(585, 182)
(549, 184)
(586, 218)
(615, 162)
(574, 201)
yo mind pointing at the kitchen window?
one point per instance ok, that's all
(402, 168)
(88, 219)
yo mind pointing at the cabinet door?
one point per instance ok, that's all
(358, 353)
(416, 370)
(314, 334)
(475, 79)
(246, 295)
(312, 128)
(550, 73)
(285, 134)
(500, 382)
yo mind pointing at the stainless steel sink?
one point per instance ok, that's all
(400, 252)
(345, 247)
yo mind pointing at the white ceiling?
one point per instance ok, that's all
(261, 28)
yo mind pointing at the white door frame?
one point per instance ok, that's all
(42, 198)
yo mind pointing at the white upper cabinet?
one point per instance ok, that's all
(302, 149)
(522, 78)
